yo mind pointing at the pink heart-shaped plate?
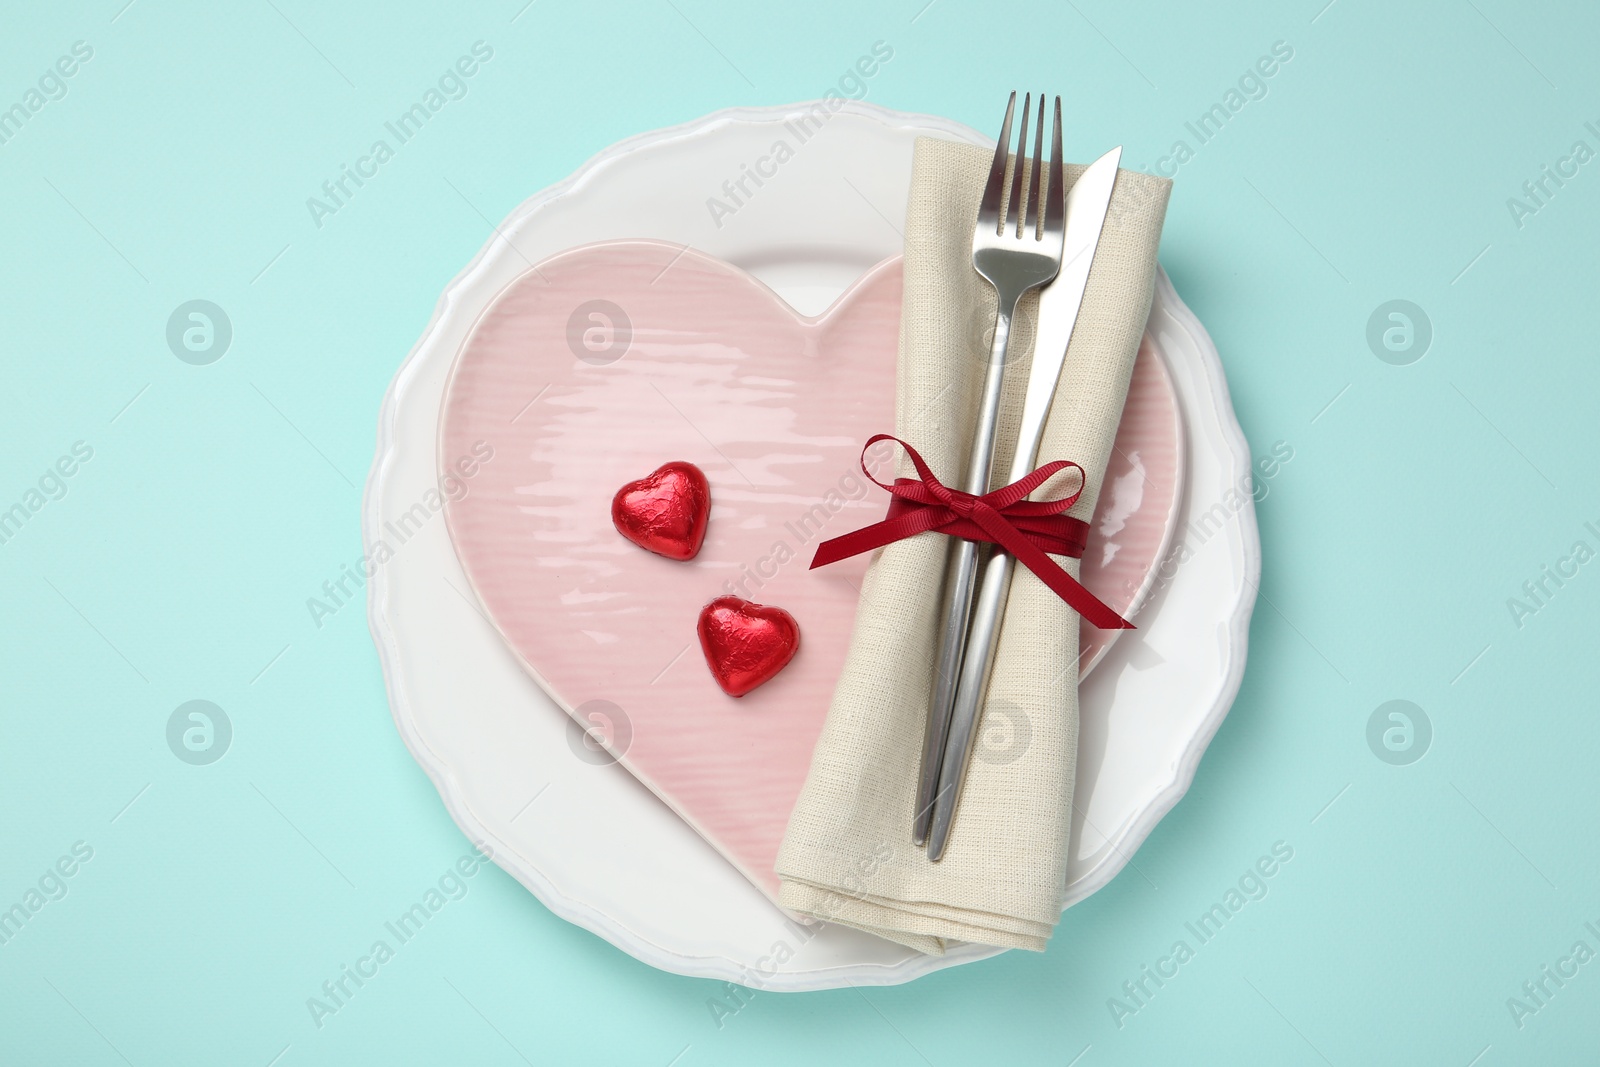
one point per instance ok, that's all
(606, 361)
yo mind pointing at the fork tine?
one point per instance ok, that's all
(989, 207)
(1016, 207)
(1039, 184)
(1055, 208)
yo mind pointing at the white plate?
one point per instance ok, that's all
(586, 838)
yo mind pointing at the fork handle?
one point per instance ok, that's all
(976, 665)
(961, 577)
(980, 460)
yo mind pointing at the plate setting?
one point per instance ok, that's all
(593, 369)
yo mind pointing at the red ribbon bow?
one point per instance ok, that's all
(1006, 517)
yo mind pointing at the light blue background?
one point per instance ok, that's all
(220, 497)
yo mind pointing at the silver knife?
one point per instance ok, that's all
(1059, 302)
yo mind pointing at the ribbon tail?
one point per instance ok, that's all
(884, 532)
(1066, 586)
(846, 545)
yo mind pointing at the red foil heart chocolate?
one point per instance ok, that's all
(746, 644)
(665, 511)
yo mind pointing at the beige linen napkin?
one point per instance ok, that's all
(847, 856)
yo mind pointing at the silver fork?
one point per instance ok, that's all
(1015, 254)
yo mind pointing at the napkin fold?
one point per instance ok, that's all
(847, 856)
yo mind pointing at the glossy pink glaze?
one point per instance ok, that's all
(1138, 499)
(773, 408)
